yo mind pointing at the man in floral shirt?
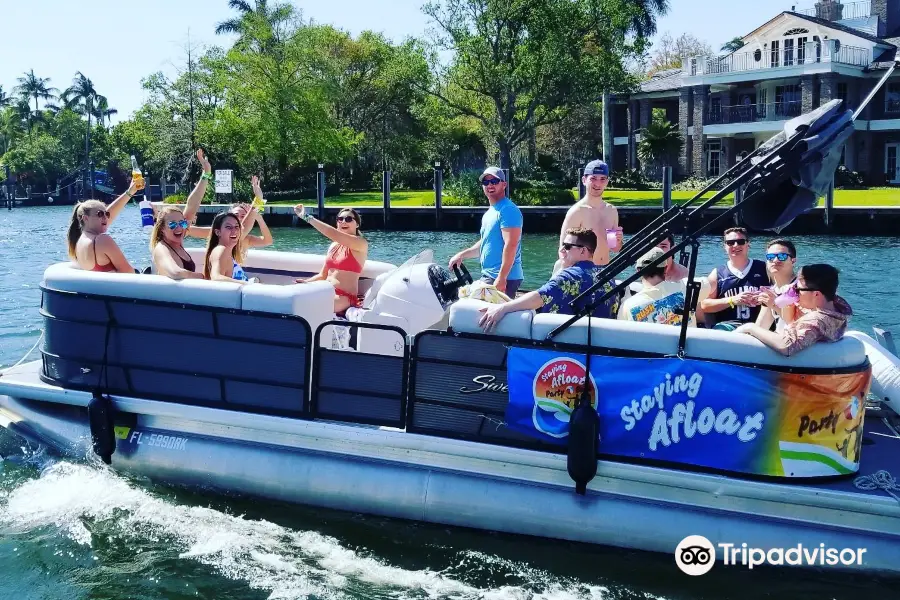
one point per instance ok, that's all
(557, 295)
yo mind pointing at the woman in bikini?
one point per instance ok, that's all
(172, 225)
(89, 244)
(345, 258)
(224, 249)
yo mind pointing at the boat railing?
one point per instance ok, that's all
(202, 355)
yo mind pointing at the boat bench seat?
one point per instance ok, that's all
(191, 342)
(633, 336)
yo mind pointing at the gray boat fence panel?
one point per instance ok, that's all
(217, 357)
(359, 387)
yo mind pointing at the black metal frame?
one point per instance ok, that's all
(214, 312)
(315, 388)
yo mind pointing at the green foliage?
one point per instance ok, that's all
(631, 179)
(464, 189)
(660, 143)
(692, 184)
(848, 180)
(176, 199)
(521, 64)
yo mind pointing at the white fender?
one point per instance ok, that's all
(885, 370)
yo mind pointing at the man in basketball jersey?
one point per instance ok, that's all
(734, 287)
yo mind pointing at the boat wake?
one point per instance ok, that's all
(93, 506)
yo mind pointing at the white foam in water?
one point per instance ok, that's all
(289, 564)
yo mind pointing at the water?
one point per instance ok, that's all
(78, 530)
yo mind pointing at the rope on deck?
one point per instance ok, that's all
(881, 480)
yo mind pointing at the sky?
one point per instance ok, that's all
(115, 43)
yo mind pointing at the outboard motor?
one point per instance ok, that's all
(584, 443)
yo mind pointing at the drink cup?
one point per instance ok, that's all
(611, 237)
(787, 298)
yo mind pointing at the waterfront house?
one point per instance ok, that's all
(726, 105)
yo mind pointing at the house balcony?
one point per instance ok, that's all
(838, 11)
(802, 55)
(753, 113)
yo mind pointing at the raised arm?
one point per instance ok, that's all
(196, 196)
(116, 206)
(354, 242)
(257, 241)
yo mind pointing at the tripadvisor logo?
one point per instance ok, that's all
(696, 555)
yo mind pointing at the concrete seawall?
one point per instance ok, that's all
(847, 220)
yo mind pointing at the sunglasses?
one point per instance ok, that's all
(100, 213)
(490, 181)
(806, 289)
(346, 219)
(782, 256)
(567, 246)
(173, 225)
(733, 242)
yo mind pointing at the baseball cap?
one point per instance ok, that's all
(495, 171)
(650, 258)
(597, 167)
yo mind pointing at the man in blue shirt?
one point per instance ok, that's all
(557, 295)
(500, 245)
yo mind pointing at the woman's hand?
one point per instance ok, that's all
(299, 210)
(204, 163)
(134, 186)
(254, 183)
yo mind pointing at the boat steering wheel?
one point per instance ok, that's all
(462, 274)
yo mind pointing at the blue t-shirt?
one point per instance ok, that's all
(571, 282)
(501, 215)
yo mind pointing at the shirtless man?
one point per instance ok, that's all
(592, 212)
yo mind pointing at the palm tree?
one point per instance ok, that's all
(643, 19)
(81, 95)
(660, 142)
(103, 112)
(10, 128)
(733, 46)
(32, 86)
(273, 15)
(5, 99)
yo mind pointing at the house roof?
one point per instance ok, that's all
(886, 59)
(663, 81)
(829, 24)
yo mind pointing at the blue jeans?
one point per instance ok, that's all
(512, 285)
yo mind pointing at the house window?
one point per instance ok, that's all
(892, 98)
(796, 31)
(787, 101)
(801, 50)
(788, 52)
(762, 109)
(774, 56)
(713, 157)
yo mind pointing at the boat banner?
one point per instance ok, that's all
(729, 417)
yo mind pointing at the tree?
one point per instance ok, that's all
(670, 52)
(5, 99)
(660, 143)
(733, 46)
(521, 64)
(32, 86)
(273, 15)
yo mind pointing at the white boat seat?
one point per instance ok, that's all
(68, 277)
(313, 301)
(464, 315)
(663, 339)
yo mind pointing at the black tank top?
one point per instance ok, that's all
(728, 284)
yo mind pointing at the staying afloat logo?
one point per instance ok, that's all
(557, 387)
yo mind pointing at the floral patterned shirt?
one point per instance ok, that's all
(558, 293)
